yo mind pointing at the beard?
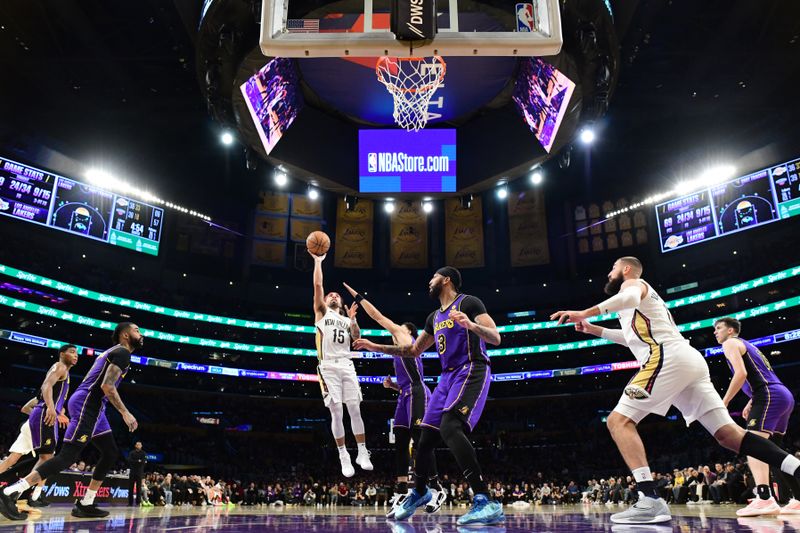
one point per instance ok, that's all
(613, 285)
(138, 343)
(435, 291)
(334, 305)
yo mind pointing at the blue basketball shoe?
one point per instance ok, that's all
(413, 501)
(483, 512)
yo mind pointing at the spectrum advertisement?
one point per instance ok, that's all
(401, 161)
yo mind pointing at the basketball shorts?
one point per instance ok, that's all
(772, 407)
(676, 374)
(411, 406)
(461, 390)
(43, 437)
(338, 381)
(87, 418)
(24, 444)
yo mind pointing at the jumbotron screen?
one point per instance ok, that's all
(403, 161)
(34, 195)
(759, 198)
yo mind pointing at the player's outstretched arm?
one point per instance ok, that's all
(109, 387)
(29, 405)
(629, 296)
(319, 291)
(377, 316)
(613, 335)
(423, 342)
(732, 350)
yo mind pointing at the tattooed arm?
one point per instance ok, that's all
(109, 386)
(423, 342)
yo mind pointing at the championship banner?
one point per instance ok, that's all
(463, 234)
(353, 247)
(269, 253)
(408, 247)
(270, 227)
(301, 228)
(527, 228)
(275, 203)
(303, 206)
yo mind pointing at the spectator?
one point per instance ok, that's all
(136, 460)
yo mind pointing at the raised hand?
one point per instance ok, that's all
(350, 289)
(364, 344)
(352, 310)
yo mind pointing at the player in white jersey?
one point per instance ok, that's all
(336, 332)
(671, 373)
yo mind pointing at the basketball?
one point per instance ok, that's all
(318, 243)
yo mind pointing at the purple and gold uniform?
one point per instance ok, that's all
(773, 403)
(464, 384)
(413, 395)
(44, 437)
(87, 406)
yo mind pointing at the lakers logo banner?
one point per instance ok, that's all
(274, 203)
(463, 234)
(269, 253)
(408, 247)
(270, 227)
(353, 245)
(301, 228)
(527, 228)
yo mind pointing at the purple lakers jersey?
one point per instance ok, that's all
(60, 390)
(92, 383)
(408, 372)
(759, 371)
(456, 345)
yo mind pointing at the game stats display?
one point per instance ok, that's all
(759, 198)
(33, 195)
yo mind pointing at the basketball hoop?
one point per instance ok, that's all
(411, 81)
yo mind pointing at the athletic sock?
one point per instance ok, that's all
(362, 447)
(37, 491)
(17, 488)
(342, 450)
(644, 481)
(768, 452)
(88, 498)
(763, 492)
(789, 481)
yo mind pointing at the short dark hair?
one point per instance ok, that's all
(121, 328)
(65, 347)
(730, 322)
(634, 263)
(412, 327)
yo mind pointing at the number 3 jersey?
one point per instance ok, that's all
(456, 345)
(333, 337)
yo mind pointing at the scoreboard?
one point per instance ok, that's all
(34, 195)
(759, 198)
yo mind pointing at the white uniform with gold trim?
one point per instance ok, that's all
(672, 372)
(24, 443)
(337, 374)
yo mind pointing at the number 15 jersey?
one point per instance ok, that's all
(333, 336)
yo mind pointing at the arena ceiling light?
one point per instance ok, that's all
(427, 207)
(388, 206)
(105, 180)
(708, 178)
(227, 138)
(502, 191)
(313, 193)
(587, 135)
(537, 177)
(281, 179)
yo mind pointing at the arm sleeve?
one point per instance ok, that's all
(472, 307)
(614, 335)
(120, 357)
(429, 324)
(626, 299)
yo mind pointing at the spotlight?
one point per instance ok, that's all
(466, 201)
(587, 135)
(350, 202)
(427, 207)
(537, 177)
(313, 193)
(389, 206)
(281, 179)
(502, 192)
(227, 138)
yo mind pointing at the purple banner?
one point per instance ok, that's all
(401, 161)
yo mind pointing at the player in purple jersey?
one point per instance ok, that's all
(460, 328)
(48, 413)
(767, 413)
(88, 422)
(413, 396)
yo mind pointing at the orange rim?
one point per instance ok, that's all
(424, 88)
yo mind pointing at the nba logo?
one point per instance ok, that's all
(524, 17)
(372, 162)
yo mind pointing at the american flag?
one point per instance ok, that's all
(303, 25)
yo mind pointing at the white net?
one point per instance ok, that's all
(411, 81)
